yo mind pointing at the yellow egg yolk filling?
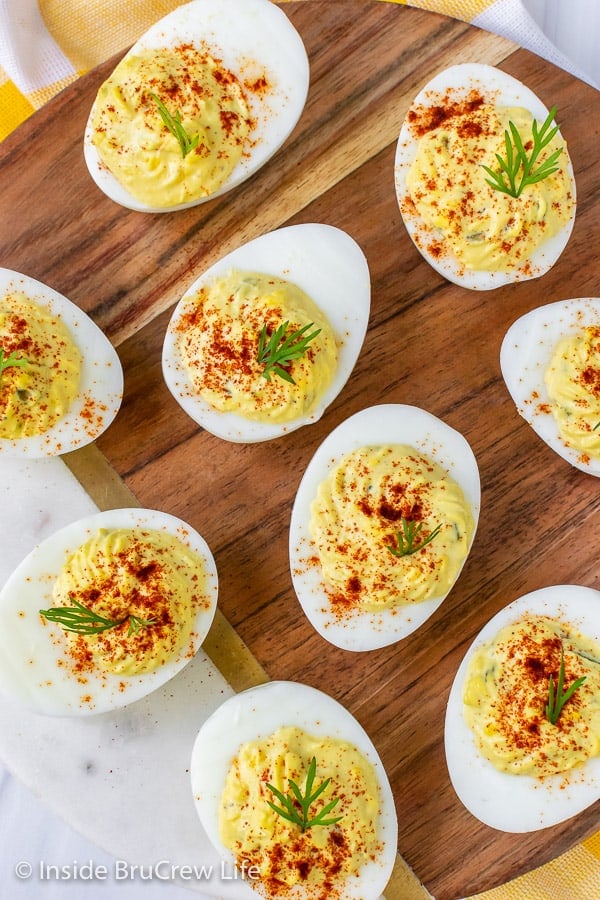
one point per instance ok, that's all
(484, 229)
(321, 857)
(363, 515)
(218, 339)
(37, 391)
(150, 582)
(507, 689)
(145, 155)
(573, 383)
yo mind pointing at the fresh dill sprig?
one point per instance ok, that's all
(290, 802)
(80, 619)
(407, 537)
(174, 124)
(556, 696)
(278, 351)
(519, 162)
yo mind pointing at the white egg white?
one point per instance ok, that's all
(521, 803)
(376, 425)
(101, 377)
(501, 90)
(31, 671)
(248, 36)
(329, 266)
(525, 355)
(257, 713)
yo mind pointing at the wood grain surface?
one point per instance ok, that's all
(429, 343)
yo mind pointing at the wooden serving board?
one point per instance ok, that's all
(429, 343)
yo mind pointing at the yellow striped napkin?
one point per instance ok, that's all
(46, 44)
(573, 876)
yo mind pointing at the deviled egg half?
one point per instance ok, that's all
(266, 338)
(550, 361)
(483, 178)
(522, 727)
(104, 611)
(254, 754)
(61, 381)
(199, 103)
(382, 524)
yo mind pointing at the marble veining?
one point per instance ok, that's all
(121, 779)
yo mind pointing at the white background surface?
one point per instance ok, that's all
(37, 497)
(31, 834)
(574, 27)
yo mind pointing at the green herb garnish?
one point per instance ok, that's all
(597, 425)
(290, 802)
(173, 123)
(278, 351)
(519, 161)
(82, 620)
(11, 360)
(584, 655)
(556, 698)
(407, 537)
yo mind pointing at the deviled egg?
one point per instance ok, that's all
(199, 103)
(523, 718)
(266, 338)
(61, 381)
(382, 525)
(483, 178)
(550, 361)
(249, 759)
(104, 611)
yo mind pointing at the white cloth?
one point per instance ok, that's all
(21, 28)
(565, 32)
(31, 835)
(573, 27)
(531, 25)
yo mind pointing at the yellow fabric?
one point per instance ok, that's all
(592, 845)
(458, 9)
(14, 107)
(86, 34)
(41, 96)
(91, 32)
(573, 876)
